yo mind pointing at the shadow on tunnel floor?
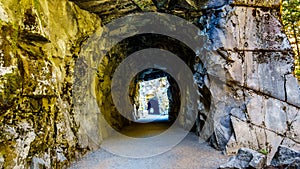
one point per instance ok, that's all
(144, 129)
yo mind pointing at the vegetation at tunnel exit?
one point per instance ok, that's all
(291, 22)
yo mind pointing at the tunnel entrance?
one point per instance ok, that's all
(157, 111)
(106, 70)
(153, 106)
(154, 95)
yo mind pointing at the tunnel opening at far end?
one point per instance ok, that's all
(168, 111)
(155, 97)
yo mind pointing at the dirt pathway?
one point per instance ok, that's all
(188, 154)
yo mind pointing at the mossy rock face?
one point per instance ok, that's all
(38, 42)
(297, 72)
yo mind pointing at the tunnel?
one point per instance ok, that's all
(153, 105)
(60, 65)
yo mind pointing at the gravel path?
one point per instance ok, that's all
(188, 154)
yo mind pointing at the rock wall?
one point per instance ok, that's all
(257, 102)
(254, 97)
(39, 42)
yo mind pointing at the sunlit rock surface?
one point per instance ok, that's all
(39, 42)
(254, 99)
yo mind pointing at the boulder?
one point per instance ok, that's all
(245, 158)
(286, 156)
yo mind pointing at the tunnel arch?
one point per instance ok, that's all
(136, 43)
(172, 89)
(96, 55)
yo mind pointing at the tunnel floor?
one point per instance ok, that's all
(147, 127)
(140, 130)
(188, 154)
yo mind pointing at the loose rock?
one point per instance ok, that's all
(245, 158)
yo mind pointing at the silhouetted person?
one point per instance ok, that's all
(153, 106)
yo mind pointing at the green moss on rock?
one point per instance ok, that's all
(37, 46)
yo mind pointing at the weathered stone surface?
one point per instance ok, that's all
(222, 103)
(246, 28)
(263, 76)
(146, 5)
(275, 112)
(2, 162)
(39, 43)
(253, 70)
(291, 144)
(40, 163)
(273, 142)
(113, 9)
(249, 95)
(109, 10)
(245, 158)
(295, 163)
(292, 90)
(260, 131)
(266, 3)
(293, 124)
(263, 30)
(244, 133)
(225, 34)
(238, 113)
(286, 157)
(255, 109)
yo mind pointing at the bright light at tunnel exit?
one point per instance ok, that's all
(153, 101)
